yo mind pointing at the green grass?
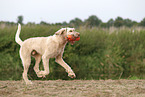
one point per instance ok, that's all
(134, 78)
(100, 53)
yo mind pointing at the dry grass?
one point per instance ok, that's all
(75, 88)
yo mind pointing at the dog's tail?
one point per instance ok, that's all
(17, 38)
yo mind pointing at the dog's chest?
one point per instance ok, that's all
(59, 51)
(56, 51)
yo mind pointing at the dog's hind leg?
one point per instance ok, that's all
(45, 61)
(26, 60)
(26, 64)
(36, 67)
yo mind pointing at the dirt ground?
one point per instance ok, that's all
(74, 88)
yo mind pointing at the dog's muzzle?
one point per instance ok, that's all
(72, 37)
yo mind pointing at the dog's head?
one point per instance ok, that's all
(66, 32)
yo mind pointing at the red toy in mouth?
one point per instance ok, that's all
(72, 38)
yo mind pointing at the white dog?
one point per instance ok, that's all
(45, 48)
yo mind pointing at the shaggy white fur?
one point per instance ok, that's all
(45, 48)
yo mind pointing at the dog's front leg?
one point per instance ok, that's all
(60, 61)
(45, 61)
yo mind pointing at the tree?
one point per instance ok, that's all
(76, 22)
(20, 19)
(104, 25)
(118, 22)
(93, 21)
(135, 23)
(128, 23)
(43, 23)
(64, 23)
(110, 23)
(142, 23)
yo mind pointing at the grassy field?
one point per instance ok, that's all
(75, 88)
(112, 53)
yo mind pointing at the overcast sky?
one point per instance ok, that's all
(53, 11)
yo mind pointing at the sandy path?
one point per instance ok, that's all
(74, 88)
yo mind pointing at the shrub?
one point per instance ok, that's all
(100, 53)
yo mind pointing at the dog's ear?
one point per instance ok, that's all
(61, 31)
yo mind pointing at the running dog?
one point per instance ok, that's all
(45, 48)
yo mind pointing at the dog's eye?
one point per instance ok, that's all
(70, 31)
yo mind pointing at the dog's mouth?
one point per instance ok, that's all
(76, 39)
(72, 38)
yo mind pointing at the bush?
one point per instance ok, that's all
(100, 53)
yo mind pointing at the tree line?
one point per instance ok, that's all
(99, 54)
(92, 21)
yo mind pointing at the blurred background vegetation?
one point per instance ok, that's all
(111, 50)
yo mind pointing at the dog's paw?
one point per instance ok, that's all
(71, 74)
(41, 74)
(29, 82)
